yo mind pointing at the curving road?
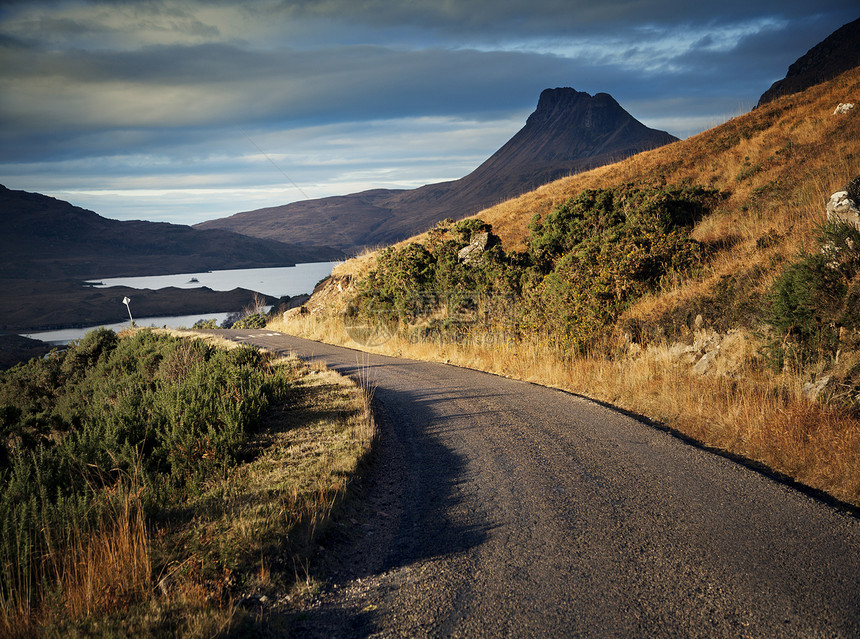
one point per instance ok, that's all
(502, 508)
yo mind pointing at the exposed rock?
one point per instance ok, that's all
(329, 296)
(843, 108)
(711, 353)
(472, 254)
(707, 340)
(293, 313)
(840, 208)
(706, 364)
(812, 390)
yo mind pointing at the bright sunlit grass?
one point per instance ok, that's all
(776, 168)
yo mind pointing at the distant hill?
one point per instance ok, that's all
(49, 247)
(837, 53)
(46, 238)
(569, 132)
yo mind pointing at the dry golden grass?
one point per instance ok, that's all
(740, 407)
(110, 568)
(260, 524)
(776, 167)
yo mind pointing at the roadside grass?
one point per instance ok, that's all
(775, 168)
(742, 408)
(215, 561)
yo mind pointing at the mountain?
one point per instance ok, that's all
(46, 238)
(702, 350)
(570, 131)
(837, 53)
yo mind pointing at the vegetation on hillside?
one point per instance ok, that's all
(697, 284)
(146, 481)
(585, 263)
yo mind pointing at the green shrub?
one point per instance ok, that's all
(254, 321)
(206, 324)
(172, 413)
(817, 295)
(585, 262)
(599, 251)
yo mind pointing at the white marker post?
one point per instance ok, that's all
(125, 301)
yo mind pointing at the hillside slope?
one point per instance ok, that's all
(570, 131)
(776, 165)
(837, 53)
(694, 343)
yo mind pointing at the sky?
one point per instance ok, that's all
(189, 110)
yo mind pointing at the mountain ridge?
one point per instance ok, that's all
(569, 131)
(837, 53)
(45, 237)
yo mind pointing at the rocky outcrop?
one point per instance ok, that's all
(844, 205)
(703, 352)
(329, 296)
(837, 53)
(472, 253)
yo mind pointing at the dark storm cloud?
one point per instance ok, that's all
(165, 86)
(220, 84)
(514, 17)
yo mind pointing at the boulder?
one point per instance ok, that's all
(812, 390)
(842, 109)
(472, 254)
(706, 363)
(840, 208)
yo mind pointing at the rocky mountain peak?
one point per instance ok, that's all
(566, 106)
(837, 53)
(568, 132)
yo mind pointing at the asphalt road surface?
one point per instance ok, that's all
(499, 508)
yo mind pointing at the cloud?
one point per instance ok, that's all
(117, 96)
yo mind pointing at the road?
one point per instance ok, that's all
(503, 508)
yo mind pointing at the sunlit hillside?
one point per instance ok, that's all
(695, 350)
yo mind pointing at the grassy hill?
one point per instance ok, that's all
(684, 325)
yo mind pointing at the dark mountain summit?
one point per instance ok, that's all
(837, 53)
(569, 132)
(47, 238)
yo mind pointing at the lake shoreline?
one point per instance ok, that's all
(35, 306)
(32, 307)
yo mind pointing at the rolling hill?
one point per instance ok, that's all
(46, 238)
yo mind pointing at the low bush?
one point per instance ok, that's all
(147, 420)
(585, 262)
(817, 297)
(256, 320)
